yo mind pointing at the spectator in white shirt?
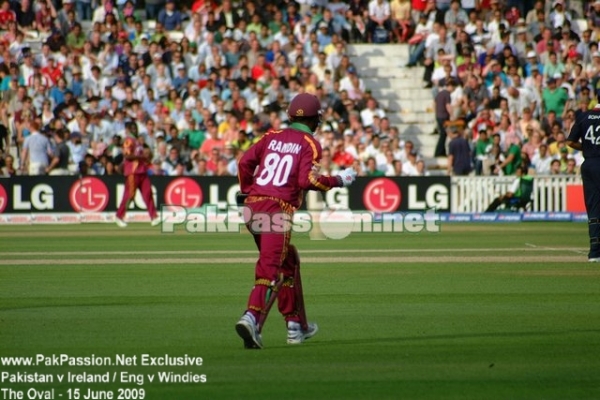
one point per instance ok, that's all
(542, 160)
(374, 148)
(118, 91)
(109, 59)
(352, 84)
(409, 167)
(370, 112)
(282, 36)
(379, 17)
(320, 67)
(36, 149)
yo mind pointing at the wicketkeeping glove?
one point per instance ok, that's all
(347, 176)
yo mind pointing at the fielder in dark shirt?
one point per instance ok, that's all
(585, 136)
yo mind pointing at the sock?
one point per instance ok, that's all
(251, 315)
(293, 325)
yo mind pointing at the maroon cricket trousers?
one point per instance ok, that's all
(134, 182)
(273, 258)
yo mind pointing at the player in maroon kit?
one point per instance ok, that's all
(135, 168)
(274, 173)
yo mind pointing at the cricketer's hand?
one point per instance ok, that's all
(348, 176)
(240, 198)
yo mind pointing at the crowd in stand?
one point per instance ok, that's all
(204, 81)
(508, 80)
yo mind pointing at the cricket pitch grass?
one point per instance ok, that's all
(474, 312)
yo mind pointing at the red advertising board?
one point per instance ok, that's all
(575, 199)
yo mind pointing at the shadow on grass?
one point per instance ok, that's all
(446, 337)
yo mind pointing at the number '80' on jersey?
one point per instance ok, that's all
(283, 164)
(586, 130)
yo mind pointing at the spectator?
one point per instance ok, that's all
(25, 15)
(571, 168)
(371, 168)
(410, 166)
(169, 17)
(531, 148)
(105, 9)
(483, 148)
(443, 112)
(371, 111)
(554, 99)
(45, 16)
(6, 15)
(59, 164)
(553, 66)
(169, 165)
(379, 18)
(455, 15)
(443, 42)
(8, 167)
(513, 159)
(402, 22)
(542, 161)
(36, 148)
(459, 154)
(555, 167)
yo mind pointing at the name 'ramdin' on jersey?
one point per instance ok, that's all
(288, 148)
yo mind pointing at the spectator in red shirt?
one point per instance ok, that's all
(213, 162)
(482, 122)
(202, 6)
(6, 15)
(212, 141)
(341, 157)
(52, 71)
(259, 68)
(11, 34)
(417, 7)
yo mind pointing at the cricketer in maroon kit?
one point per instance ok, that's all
(135, 168)
(274, 174)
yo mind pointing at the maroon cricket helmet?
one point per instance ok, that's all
(304, 105)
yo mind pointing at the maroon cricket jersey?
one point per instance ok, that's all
(283, 164)
(131, 146)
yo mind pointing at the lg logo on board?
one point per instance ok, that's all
(183, 192)
(3, 199)
(89, 195)
(382, 195)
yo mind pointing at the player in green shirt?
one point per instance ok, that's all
(519, 194)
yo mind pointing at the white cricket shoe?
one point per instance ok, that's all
(246, 328)
(120, 223)
(596, 260)
(156, 221)
(296, 335)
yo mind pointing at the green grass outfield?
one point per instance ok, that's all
(504, 311)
